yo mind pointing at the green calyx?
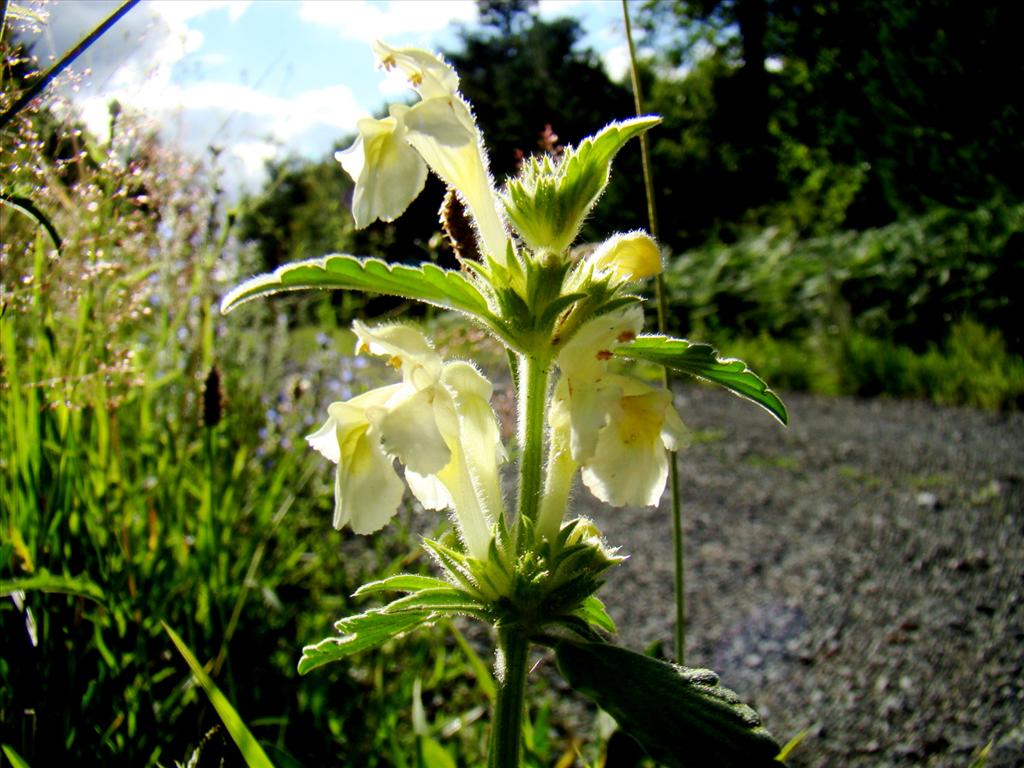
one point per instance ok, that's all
(553, 584)
(546, 592)
(549, 200)
(536, 585)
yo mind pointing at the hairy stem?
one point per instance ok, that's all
(533, 395)
(506, 730)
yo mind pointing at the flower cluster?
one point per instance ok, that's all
(389, 160)
(564, 318)
(437, 423)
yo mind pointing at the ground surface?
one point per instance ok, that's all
(859, 574)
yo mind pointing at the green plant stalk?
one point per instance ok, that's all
(47, 77)
(673, 464)
(532, 377)
(533, 374)
(507, 728)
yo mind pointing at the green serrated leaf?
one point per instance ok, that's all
(594, 613)
(682, 717)
(447, 599)
(360, 633)
(402, 582)
(427, 282)
(702, 361)
(251, 750)
(454, 564)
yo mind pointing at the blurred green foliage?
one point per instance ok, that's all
(900, 91)
(152, 470)
(971, 368)
(906, 282)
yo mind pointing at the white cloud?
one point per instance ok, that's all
(274, 116)
(136, 63)
(249, 125)
(553, 9)
(394, 86)
(334, 106)
(252, 156)
(369, 21)
(182, 11)
(616, 62)
(137, 54)
(139, 51)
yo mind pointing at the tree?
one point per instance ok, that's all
(533, 87)
(904, 91)
(300, 214)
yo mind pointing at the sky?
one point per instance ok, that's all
(265, 78)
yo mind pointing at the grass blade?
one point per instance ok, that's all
(14, 758)
(251, 751)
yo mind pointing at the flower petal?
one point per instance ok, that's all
(444, 132)
(408, 430)
(325, 441)
(406, 345)
(673, 431)
(367, 489)
(429, 490)
(630, 466)
(427, 73)
(342, 416)
(470, 427)
(587, 352)
(583, 407)
(389, 174)
(627, 257)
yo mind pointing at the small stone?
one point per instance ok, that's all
(881, 684)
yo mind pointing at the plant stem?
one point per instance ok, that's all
(506, 730)
(533, 395)
(69, 56)
(652, 218)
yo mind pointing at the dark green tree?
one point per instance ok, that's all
(300, 214)
(534, 87)
(904, 96)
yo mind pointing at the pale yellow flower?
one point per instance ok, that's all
(615, 428)
(438, 423)
(387, 160)
(367, 490)
(627, 257)
(389, 174)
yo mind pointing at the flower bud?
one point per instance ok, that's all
(627, 257)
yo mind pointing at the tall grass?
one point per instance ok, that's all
(152, 470)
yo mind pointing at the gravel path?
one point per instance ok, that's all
(859, 574)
